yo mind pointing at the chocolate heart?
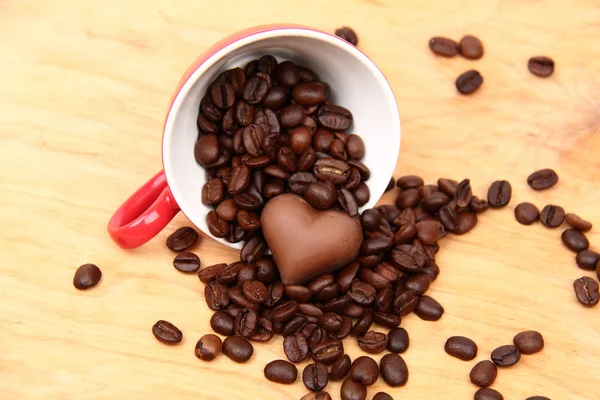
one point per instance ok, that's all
(305, 242)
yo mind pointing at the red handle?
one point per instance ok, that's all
(144, 214)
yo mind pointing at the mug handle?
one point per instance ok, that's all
(144, 214)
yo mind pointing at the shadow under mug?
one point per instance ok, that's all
(355, 82)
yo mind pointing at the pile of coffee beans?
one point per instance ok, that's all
(553, 216)
(270, 129)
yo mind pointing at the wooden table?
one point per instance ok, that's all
(84, 89)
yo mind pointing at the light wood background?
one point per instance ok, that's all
(84, 87)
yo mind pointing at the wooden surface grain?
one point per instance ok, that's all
(84, 87)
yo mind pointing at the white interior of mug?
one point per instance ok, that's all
(355, 83)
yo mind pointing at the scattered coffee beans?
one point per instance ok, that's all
(484, 373)
(443, 46)
(542, 179)
(529, 342)
(364, 370)
(166, 332)
(281, 371)
(373, 342)
(578, 223)
(586, 291)
(398, 340)
(541, 66)
(222, 323)
(552, 216)
(488, 394)
(461, 347)
(527, 213)
(186, 262)
(468, 82)
(471, 47)
(352, 390)
(237, 348)
(182, 239)
(394, 370)
(347, 34)
(505, 356)
(575, 240)
(87, 276)
(587, 259)
(340, 368)
(499, 194)
(208, 347)
(429, 309)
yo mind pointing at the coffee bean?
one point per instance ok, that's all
(361, 193)
(586, 291)
(212, 194)
(329, 169)
(449, 218)
(255, 291)
(432, 270)
(355, 147)
(313, 334)
(541, 66)
(206, 150)
(461, 347)
(463, 194)
(488, 394)
(267, 64)
(287, 74)
(433, 202)
(87, 276)
(209, 273)
(222, 94)
(471, 47)
(529, 342)
(362, 293)
(186, 262)
(228, 275)
(321, 195)
(309, 94)
(394, 370)
(285, 311)
(338, 150)
(409, 182)
(330, 322)
(419, 283)
(281, 371)
(256, 88)
(429, 232)
(386, 319)
(182, 239)
(484, 373)
(542, 179)
(327, 352)
(299, 294)
(209, 109)
(575, 240)
(237, 349)
(373, 342)
(240, 179)
(499, 194)
(300, 139)
(443, 46)
(245, 323)
(315, 376)
(294, 325)
(578, 223)
(429, 309)
(382, 396)
(537, 398)
(334, 117)
(364, 370)
(295, 347)
(253, 250)
(316, 396)
(222, 323)
(363, 324)
(347, 34)
(505, 356)
(427, 190)
(319, 283)
(337, 304)
(398, 340)
(587, 259)
(526, 213)
(466, 221)
(552, 216)
(246, 273)
(328, 293)
(468, 82)
(216, 296)
(370, 219)
(340, 368)
(276, 98)
(208, 347)
(166, 332)
(287, 159)
(478, 205)
(407, 258)
(351, 390)
(346, 275)
(405, 302)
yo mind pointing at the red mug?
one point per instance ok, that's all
(356, 83)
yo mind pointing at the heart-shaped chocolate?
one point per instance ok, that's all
(305, 242)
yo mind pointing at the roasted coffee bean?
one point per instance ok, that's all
(587, 259)
(228, 275)
(586, 291)
(322, 140)
(478, 205)
(309, 94)
(364, 370)
(327, 352)
(334, 117)
(336, 305)
(542, 179)
(505, 356)
(370, 219)
(300, 140)
(394, 370)
(240, 179)
(229, 125)
(449, 218)
(227, 210)
(461, 347)
(355, 147)
(363, 325)
(237, 77)
(182, 239)
(264, 330)
(346, 275)
(316, 396)
(373, 342)
(398, 340)
(313, 334)
(405, 233)
(319, 283)
(435, 201)
(276, 98)
(329, 169)
(299, 294)
(287, 74)
(256, 88)
(245, 323)
(287, 159)
(373, 278)
(361, 193)
(311, 309)
(209, 109)
(281, 371)
(362, 293)
(248, 220)
(471, 47)
(315, 376)
(307, 160)
(552, 216)
(340, 368)
(253, 250)
(529, 342)
(537, 398)
(222, 94)
(255, 291)
(237, 349)
(236, 295)
(216, 296)
(419, 283)
(267, 64)
(405, 302)
(376, 245)
(368, 261)
(541, 66)
(212, 193)
(466, 221)
(266, 271)
(222, 323)
(166, 332)
(448, 186)
(427, 190)
(429, 232)
(463, 193)
(253, 136)
(499, 194)
(575, 240)
(208, 347)
(331, 322)
(409, 182)
(578, 223)
(468, 82)
(251, 68)
(295, 347)
(299, 182)
(526, 213)
(443, 46)
(186, 262)
(206, 150)
(484, 373)
(347, 34)
(351, 390)
(285, 311)
(429, 309)
(386, 319)
(328, 293)
(389, 212)
(244, 113)
(382, 396)
(488, 394)
(338, 150)
(321, 195)
(209, 273)
(291, 116)
(408, 258)
(87, 276)
(408, 198)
